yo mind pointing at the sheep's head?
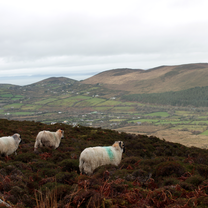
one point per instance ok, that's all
(17, 138)
(61, 132)
(119, 144)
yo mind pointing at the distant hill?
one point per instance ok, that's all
(55, 80)
(155, 80)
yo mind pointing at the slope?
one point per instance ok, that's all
(156, 80)
(152, 173)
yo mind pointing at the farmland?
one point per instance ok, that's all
(111, 113)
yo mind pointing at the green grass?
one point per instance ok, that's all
(162, 122)
(199, 122)
(23, 113)
(162, 114)
(6, 95)
(14, 105)
(91, 102)
(144, 120)
(30, 107)
(15, 99)
(45, 101)
(205, 133)
(185, 113)
(71, 101)
(189, 127)
(202, 117)
(103, 108)
(123, 109)
(111, 103)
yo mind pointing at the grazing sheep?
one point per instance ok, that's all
(49, 139)
(93, 157)
(9, 144)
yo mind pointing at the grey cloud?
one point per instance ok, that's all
(89, 37)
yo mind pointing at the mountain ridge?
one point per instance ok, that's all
(155, 80)
(138, 81)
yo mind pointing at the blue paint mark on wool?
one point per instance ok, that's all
(54, 136)
(110, 153)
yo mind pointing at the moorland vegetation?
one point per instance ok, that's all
(152, 173)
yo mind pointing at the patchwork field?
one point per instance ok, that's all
(86, 107)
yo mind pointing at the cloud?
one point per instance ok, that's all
(87, 37)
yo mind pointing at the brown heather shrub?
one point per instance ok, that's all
(168, 168)
(203, 170)
(69, 165)
(195, 180)
(187, 186)
(66, 178)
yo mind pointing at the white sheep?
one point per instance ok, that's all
(93, 157)
(9, 144)
(49, 139)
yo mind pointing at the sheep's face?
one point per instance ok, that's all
(119, 144)
(62, 133)
(122, 146)
(17, 138)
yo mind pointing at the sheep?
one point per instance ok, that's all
(49, 139)
(9, 144)
(93, 157)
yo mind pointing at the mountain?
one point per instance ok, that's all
(155, 80)
(54, 81)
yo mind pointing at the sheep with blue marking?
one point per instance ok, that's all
(93, 157)
(49, 139)
(9, 144)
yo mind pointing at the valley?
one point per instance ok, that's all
(105, 101)
(185, 125)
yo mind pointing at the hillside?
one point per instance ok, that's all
(156, 80)
(153, 173)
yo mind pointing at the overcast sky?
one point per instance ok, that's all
(78, 39)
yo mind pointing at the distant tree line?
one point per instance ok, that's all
(197, 97)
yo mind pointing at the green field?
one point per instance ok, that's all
(144, 120)
(205, 133)
(90, 102)
(30, 107)
(161, 114)
(199, 122)
(6, 95)
(45, 101)
(15, 105)
(23, 113)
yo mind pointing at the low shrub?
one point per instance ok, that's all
(167, 169)
(69, 165)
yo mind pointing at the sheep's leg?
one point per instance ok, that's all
(6, 158)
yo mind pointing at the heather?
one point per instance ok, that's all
(152, 173)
